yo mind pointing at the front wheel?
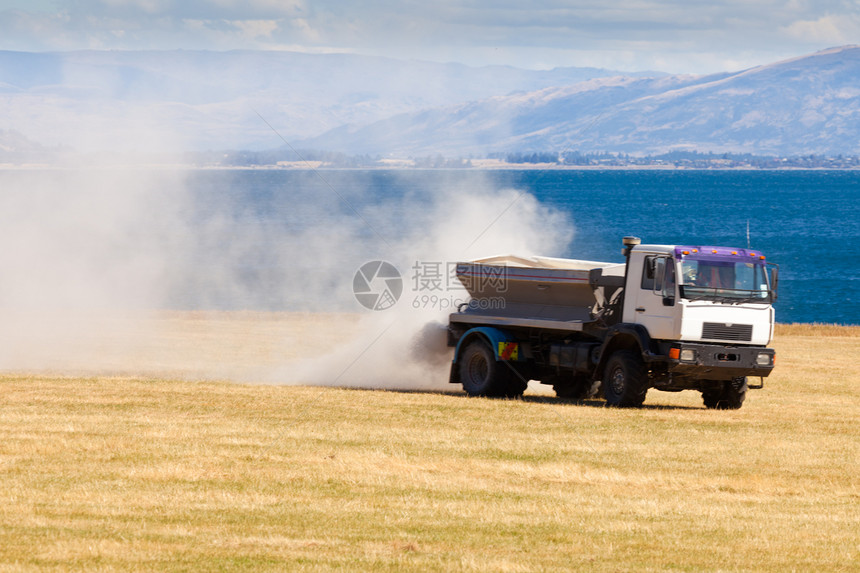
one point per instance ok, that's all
(729, 395)
(625, 380)
(482, 375)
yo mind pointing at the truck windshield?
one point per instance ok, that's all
(724, 281)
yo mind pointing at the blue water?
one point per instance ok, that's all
(805, 221)
(808, 222)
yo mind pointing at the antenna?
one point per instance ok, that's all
(748, 233)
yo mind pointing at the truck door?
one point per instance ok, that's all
(654, 305)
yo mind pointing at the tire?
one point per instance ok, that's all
(729, 396)
(576, 388)
(482, 375)
(624, 380)
(517, 384)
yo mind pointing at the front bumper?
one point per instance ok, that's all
(719, 362)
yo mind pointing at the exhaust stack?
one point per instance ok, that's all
(629, 243)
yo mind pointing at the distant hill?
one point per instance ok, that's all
(210, 100)
(800, 106)
(198, 101)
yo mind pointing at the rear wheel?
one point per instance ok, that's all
(625, 380)
(728, 395)
(482, 375)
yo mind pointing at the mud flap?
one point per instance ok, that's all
(454, 376)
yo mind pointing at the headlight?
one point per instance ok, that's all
(763, 359)
(688, 355)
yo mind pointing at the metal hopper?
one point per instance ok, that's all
(548, 292)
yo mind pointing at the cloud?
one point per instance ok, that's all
(203, 9)
(827, 29)
(674, 35)
(256, 28)
(227, 34)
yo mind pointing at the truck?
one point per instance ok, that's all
(669, 318)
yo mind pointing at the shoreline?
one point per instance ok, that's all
(309, 167)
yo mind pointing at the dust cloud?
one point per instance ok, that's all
(82, 249)
(146, 272)
(404, 346)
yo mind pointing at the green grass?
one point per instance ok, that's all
(125, 473)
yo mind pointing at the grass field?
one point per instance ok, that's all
(126, 472)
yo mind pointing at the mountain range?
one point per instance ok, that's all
(807, 105)
(188, 100)
(198, 100)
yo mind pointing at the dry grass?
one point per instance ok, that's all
(816, 329)
(105, 473)
(196, 345)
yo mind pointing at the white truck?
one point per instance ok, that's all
(671, 317)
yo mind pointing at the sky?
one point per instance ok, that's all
(675, 36)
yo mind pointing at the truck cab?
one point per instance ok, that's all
(700, 293)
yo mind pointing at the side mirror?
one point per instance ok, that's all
(668, 301)
(774, 280)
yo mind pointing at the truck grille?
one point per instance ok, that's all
(719, 331)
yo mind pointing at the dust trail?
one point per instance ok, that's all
(82, 247)
(404, 347)
(134, 271)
